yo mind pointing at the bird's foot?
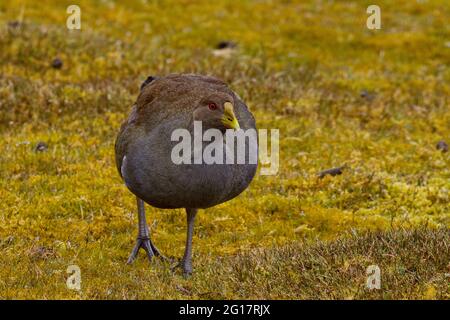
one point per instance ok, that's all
(150, 249)
(146, 244)
(158, 253)
(186, 266)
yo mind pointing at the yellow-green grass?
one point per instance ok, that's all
(301, 68)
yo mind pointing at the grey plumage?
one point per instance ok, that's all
(163, 105)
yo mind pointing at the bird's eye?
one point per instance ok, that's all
(212, 106)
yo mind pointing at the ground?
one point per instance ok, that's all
(374, 101)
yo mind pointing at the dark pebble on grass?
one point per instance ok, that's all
(14, 24)
(41, 147)
(442, 145)
(225, 45)
(57, 63)
(332, 172)
(367, 95)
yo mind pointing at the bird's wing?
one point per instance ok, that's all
(122, 140)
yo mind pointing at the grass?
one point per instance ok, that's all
(414, 264)
(374, 101)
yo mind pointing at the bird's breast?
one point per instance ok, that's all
(156, 174)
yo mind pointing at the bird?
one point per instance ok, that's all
(143, 151)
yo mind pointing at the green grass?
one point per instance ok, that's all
(301, 68)
(413, 265)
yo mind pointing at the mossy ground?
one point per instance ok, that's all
(376, 101)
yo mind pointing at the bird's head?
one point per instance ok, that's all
(217, 111)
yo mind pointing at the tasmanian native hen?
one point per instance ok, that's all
(144, 150)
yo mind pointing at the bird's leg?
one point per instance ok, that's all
(186, 262)
(143, 239)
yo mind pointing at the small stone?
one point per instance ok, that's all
(332, 172)
(442, 145)
(365, 94)
(226, 45)
(57, 63)
(14, 24)
(41, 147)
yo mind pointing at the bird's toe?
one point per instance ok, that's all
(146, 245)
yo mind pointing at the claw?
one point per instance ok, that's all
(144, 243)
(187, 269)
(143, 239)
(185, 266)
(159, 254)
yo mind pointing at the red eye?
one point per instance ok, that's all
(212, 106)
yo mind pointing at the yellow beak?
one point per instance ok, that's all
(229, 118)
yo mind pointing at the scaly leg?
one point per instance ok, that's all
(186, 262)
(143, 239)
